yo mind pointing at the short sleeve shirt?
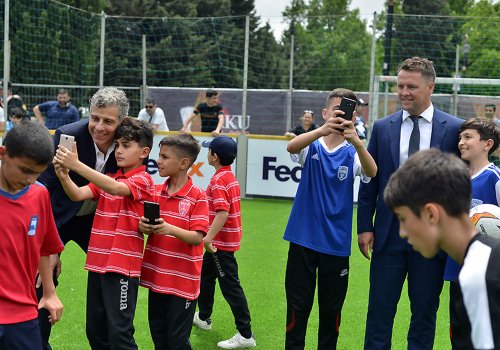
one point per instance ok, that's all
(223, 193)
(171, 266)
(28, 232)
(116, 245)
(57, 116)
(209, 116)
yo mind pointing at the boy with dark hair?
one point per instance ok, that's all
(115, 250)
(29, 237)
(211, 114)
(479, 138)
(320, 225)
(431, 195)
(222, 240)
(172, 261)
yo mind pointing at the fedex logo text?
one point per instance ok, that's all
(281, 173)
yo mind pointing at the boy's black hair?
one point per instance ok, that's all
(486, 128)
(132, 129)
(431, 176)
(31, 140)
(18, 113)
(341, 92)
(491, 105)
(224, 160)
(184, 145)
(211, 92)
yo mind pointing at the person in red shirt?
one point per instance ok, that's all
(173, 256)
(222, 240)
(115, 250)
(29, 237)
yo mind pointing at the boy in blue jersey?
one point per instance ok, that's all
(320, 225)
(479, 138)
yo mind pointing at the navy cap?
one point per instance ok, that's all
(224, 146)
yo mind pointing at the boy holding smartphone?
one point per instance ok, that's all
(115, 250)
(320, 225)
(173, 257)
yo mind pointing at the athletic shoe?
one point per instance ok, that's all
(198, 322)
(237, 342)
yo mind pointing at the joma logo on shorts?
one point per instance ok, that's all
(123, 294)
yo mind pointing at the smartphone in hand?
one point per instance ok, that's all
(151, 212)
(347, 106)
(67, 141)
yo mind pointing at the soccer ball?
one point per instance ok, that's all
(486, 218)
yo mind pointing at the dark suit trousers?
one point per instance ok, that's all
(388, 271)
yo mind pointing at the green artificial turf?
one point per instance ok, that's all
(262, 261)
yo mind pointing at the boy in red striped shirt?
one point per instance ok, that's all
(173, 257)
(222, 240)
(115, 250)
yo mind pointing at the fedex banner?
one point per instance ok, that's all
(201, 171)
(271, 172)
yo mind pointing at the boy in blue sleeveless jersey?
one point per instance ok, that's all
(320, 225)
(479, 138)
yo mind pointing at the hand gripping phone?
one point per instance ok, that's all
(347, 106)
(151, 212)
(67, 141)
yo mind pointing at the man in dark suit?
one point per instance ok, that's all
(417, 126)
(95, 139)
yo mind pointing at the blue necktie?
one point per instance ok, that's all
(414, 145)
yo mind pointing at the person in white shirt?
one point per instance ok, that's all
(153, 115)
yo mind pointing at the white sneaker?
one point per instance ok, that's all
(237, 342)
(198, 322)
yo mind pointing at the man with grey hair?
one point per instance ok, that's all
(95, 138)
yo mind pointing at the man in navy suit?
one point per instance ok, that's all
(95, 139)
(417, 126)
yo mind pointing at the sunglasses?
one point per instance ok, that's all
(308, 111)
(149, 107)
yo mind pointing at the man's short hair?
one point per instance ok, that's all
(491, 105)
(486, 128)
(150, 101)
(341, 92)
(109, 97)
(32, 140)
(132, 129)
(431, 176)
(419, 65)
(210, 93)
(184, 145)
(63, 92)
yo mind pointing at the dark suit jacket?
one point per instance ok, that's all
(64, 208)
(384, 148)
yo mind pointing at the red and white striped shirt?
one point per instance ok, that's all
(223, 193)
(171, 266)
(116, 245)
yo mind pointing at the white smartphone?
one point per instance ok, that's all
(67, 141)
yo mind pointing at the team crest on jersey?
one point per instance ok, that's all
(33, 225)
(342, 172)
(184, 207)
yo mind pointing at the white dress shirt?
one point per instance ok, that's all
(425, 126)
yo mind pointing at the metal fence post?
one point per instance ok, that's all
(101, 59)
(6, 59)
(241, 159)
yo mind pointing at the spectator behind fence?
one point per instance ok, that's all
(490, 111)
(57, 113)
(16, 116)
(211, 114)
(306, 125)
(153, 115)
(13, 101)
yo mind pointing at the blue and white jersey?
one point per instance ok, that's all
(485, 190)
(321, 216)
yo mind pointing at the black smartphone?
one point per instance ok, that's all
(151, 212)
(347, 106)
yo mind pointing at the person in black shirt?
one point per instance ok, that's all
(431, 195)
(307, 125)
(211, 113)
